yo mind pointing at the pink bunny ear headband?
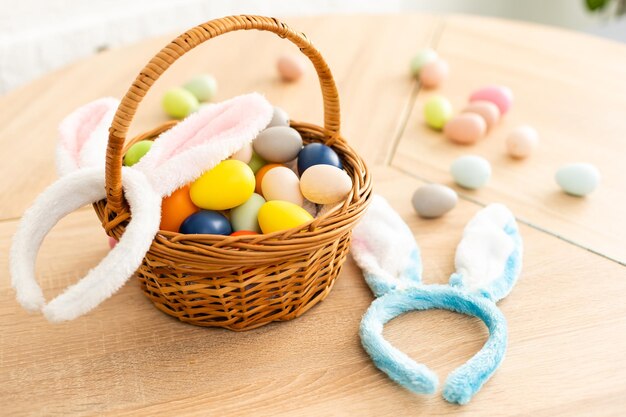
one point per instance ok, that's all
(488, 262)
(177, 157)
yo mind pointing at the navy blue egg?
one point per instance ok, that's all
(317, 154)
(206, 222)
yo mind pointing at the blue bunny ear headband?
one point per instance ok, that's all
(488, 261)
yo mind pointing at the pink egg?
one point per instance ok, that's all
(485, 109)
(522, 141)
(498, 95)
(291, 67)
(112, 242)
(465, 129)
(434, 73)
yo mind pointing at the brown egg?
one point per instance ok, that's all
(290, 67)
(434, 73)
(484, 109)
(465, 129)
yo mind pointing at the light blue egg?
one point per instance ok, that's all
(578, 179)
(471, 171)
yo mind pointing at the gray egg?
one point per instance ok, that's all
(434, 200)
(279, 118)
(278, 144)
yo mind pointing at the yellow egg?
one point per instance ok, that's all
(279, 215)
(229, 184)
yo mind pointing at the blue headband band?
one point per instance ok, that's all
(488, 262)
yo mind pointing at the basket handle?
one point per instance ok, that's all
(176, 49)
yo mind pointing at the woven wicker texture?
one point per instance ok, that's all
(239, 282)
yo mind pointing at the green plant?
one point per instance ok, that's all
(616, 7)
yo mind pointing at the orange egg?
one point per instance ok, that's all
(260, 174)
(176, 208)
(243, 233)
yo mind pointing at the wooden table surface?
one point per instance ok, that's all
(567, 314)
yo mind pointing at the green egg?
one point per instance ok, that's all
(256, 162)
(136, 152)
(422, 58)
(437, 111)
(245, 216)
(203, 87)
(179, 103)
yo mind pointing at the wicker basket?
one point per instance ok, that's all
(239, 282)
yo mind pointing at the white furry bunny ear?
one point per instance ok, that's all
(384, 248)
(489, 257)
(84, 134)
(202, 140)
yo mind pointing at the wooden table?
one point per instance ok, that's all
(567, 315)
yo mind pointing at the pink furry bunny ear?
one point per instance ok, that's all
(84, 134)
(202, 140)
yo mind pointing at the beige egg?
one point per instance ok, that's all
(465, 129)
(434, 73)
(282, 184)
(522, 141)
(291, 67)
(325, 184)
(244, 154)
(486, 110)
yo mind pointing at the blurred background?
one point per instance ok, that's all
(38, 36)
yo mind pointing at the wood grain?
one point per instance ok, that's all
(571, 88)
(369, 62)
(126, 358)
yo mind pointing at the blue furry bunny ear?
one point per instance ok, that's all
(384, 248)
(489, 257)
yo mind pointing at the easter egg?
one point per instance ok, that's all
(112, 242)
(578, 179)
(498, 95)
(256, 162)
(136, 152)
(244, 154)
(485, 109)
(437, 111)
(281, 183)
(325, 184)
(279, 215)
(260, 174)
(522, 141)
(291, 67)
(471, 171)
(465, 128)
(176, 208)
(203, 87)
(434, 73)
(317, 154)
(206, 222)
(434, 200)
(422, 58)
(179, 103)
(245, 216)
(244, 233)
(279, 118)
(229, 184)
(278, 144)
